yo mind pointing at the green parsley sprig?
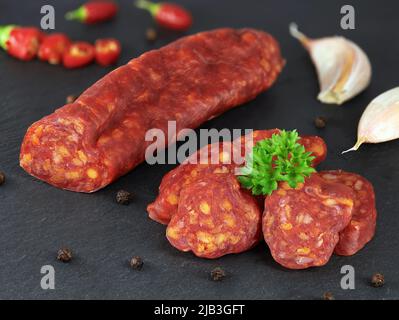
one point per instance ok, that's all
(279, 158)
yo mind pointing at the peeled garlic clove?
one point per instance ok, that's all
(343, 69)
(380, 120)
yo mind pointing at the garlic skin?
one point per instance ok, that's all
(343, 69)
(380, 120)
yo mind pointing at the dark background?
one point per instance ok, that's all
(37, 219)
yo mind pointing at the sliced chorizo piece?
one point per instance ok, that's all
(313, 144)
(86, 145)
(214, 218)
(316, 146)
(361, 228)
(301, 226)
(165, 205)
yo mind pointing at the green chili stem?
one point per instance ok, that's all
(148, 5)
(5, 35)
(78, 14)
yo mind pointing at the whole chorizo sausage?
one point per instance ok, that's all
(86, 145)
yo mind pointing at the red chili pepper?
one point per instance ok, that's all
(20, 42)
(94, 12)
(107, 51)
(168, 15)
(78, 54)
(53, 47)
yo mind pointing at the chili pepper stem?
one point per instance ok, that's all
(356, 146)
(148, 5)
(5, 34)
(78, 14)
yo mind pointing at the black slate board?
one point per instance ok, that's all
(37, 219)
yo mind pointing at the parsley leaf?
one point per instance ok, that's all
(279, 158)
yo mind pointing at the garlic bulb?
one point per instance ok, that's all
(343, 69)
(380, 120)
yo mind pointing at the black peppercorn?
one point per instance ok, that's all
(328, 296)
(123, 197)
(377, 280)
(151, 34)
(2, 178)
(218, 274)
(136, 263)
(64, 255)
(320, 122)
(71, 98)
